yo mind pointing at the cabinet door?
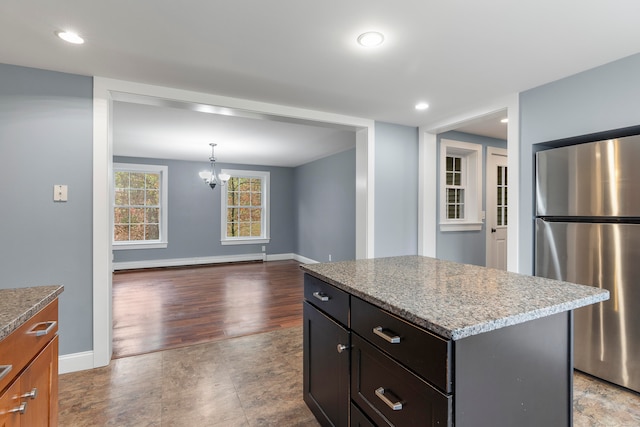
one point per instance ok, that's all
(39, 388)
(10, 406)
(326, 368)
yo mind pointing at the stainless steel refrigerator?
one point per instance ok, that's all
(588, 232)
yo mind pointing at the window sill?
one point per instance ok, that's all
(460, 226)
(126, 246)
(244, 241)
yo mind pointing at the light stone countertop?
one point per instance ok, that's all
(451, 299)
(17, 306)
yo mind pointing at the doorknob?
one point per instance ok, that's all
(493, 230)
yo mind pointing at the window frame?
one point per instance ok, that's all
(265, 176)
(161, 243)
(471, 182)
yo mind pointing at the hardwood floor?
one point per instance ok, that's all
(175, 307)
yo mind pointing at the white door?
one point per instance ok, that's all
(496, 208)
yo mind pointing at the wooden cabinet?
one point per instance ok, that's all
(350, 381)
(326, 354)
(400, 374)
(30, 388)
(11, 406)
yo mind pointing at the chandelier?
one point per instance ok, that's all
(210, 177)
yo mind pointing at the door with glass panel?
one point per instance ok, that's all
(496, 205)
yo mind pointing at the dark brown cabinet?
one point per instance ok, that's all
(326, 353)
(365, 366)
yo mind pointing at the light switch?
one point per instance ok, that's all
(59, 193)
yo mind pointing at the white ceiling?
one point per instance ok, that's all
(456, 55)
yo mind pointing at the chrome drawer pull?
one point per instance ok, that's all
(20, 409)
(395, 339)
(41, 332)
(321, 296)
(4, 370)
(396, 406)
(32, 394)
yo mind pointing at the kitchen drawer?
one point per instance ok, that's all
(390, 394)
(22, 345)
(327, 298)
(358, 419)
(427, 354)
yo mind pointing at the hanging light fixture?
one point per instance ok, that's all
(210, 177)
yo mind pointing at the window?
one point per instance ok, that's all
(460, 186)
(245, 208)
(501, 196)
(139, 206)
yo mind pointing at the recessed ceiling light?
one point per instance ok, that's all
(370, 39)
(422, 106)
(504, 121)
(70, 37)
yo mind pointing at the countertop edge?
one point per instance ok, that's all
(459, 333)
(8, 327)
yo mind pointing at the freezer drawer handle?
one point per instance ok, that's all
(393, 339)
(321, 296)
(396, 406)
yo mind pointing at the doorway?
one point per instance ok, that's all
(105, 92)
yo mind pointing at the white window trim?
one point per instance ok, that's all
(266, 196)
(473, 163)
(164, 220)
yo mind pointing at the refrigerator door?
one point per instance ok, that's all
(594, 179)
(607, 334)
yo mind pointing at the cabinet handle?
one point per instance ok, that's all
(20, 409)
(341, 348)
(396, 406)
(393, 339)
(4, 370)
(40, 332)
(32, 394)
(321, 296)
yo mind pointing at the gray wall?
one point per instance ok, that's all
(597, 100)
(325, 209)
(465, 246)
(194, 213)
(396, 190)
(45, 139)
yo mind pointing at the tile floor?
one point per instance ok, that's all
(248, 381)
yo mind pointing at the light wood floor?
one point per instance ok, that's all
(169, 308)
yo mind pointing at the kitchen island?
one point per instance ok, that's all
(414, 340)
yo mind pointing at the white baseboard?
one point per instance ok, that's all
(75, 362)
(304, 260)
(280, 257)
(176, 262)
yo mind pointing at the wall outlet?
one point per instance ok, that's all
(329, 257)
(264, 248)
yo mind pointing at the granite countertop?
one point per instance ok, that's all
(451, 299)
(17, 306)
